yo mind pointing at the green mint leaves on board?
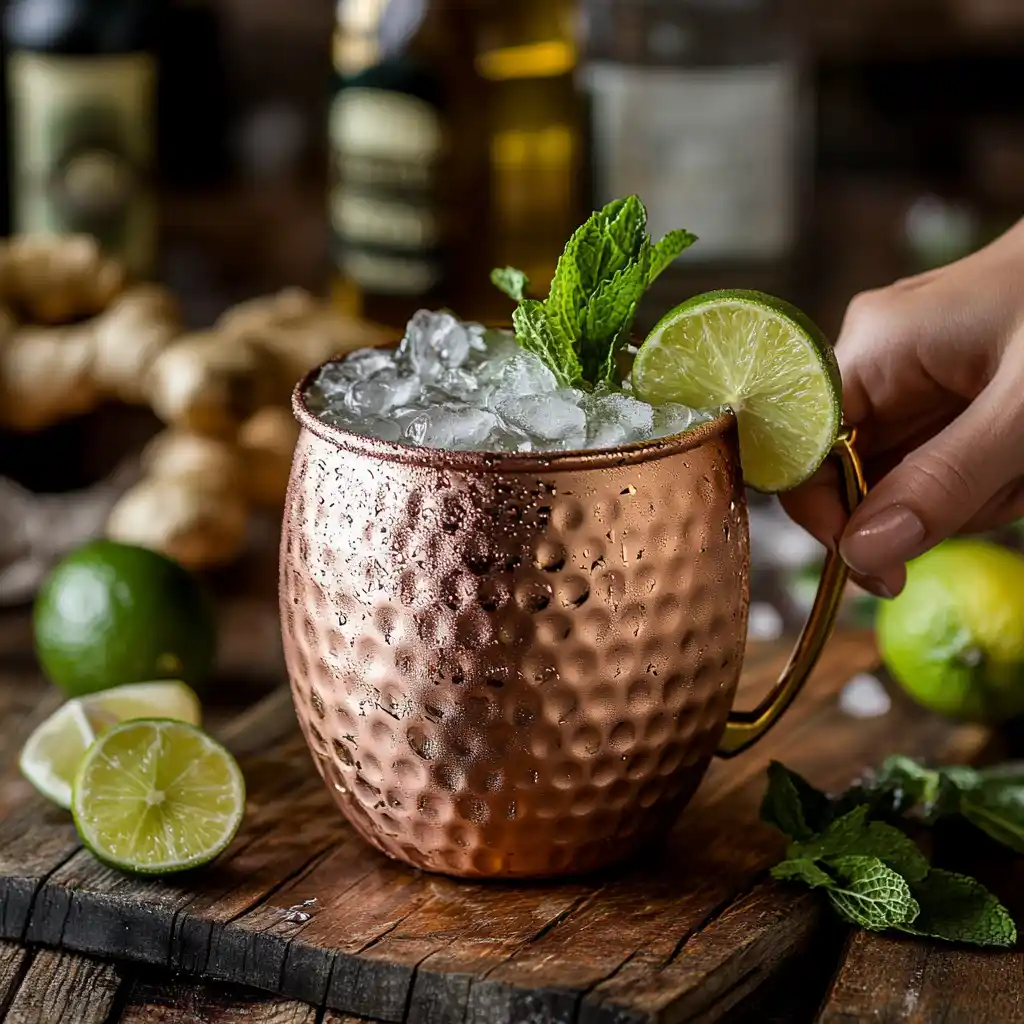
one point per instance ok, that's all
(607, 266)
(875, 876)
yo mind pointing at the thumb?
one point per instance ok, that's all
(936, 489)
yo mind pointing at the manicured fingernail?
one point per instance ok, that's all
(892, 535)
(873, 585)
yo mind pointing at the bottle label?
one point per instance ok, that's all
(712, 150)
(385, 215)
(83, 134)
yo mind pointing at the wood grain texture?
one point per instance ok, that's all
(902, 981)
(300, 907)
(14, 961)
(65, 987)
(159, 1001)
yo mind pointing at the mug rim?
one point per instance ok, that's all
(501, 462)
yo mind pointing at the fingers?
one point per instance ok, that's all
(938, 488)
(1006, 506)
(817, 507)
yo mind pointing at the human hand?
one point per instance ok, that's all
(933, 380)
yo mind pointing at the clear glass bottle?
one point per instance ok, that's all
(699, 106)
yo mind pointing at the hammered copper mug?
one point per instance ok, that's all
(521, 666)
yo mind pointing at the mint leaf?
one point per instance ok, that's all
(999, 813)
(605, 247)
(960, 909)
(534, 332)
(575, 279)
(624, 229)
(667, 251)
(871, 895)
(793, 805)
(855, 835)
(802, 870)
(514, 283)
(609, 317)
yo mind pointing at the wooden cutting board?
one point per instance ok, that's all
(302, 908)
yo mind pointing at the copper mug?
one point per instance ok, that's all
(518, 666)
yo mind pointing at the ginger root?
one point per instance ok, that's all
(210, 462)
(55, 279)
(210, 384)
(302, 331)
(198, 525)
(130, 334)
(267, 443)
(46, 375)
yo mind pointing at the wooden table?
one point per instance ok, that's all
(831, 977)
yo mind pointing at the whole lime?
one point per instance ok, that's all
(111, 614)
(954, 638)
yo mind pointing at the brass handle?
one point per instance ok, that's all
(745, 728)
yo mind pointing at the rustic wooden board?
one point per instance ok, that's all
(684, 936)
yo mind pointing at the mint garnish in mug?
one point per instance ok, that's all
(607, 266)
(873, 873)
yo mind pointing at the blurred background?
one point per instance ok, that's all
(384, 154)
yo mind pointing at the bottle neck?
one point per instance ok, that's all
(81, 27)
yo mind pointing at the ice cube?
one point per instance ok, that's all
(366, 362)
(523, 373)
(554, 417)
(615, 419)
(451, 426)
(459, 384)
(435, 342)
(380, 394)
(673, 418)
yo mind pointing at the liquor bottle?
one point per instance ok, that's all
(407, 128)
(82, 87)
(455, 129)
(528, 53)
(699, 107)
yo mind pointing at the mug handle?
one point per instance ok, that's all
(745, 728)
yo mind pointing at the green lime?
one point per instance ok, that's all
(760, 357)
(954, 638)
(110, 614)
(155, 796)
(55, 749)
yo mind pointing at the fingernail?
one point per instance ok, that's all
(892, 535)
(873, 585)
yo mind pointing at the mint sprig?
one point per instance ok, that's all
(874, 874)
(604, 272)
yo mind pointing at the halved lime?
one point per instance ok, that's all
(154, 796)
(762, 358)
(55, 749)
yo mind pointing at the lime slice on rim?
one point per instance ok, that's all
(766, 361)
(55, 749)
(155, 796)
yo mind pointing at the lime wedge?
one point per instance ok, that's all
(53, 752)
(760, 357)
(154, 796)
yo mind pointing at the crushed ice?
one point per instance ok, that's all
(460, 386)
